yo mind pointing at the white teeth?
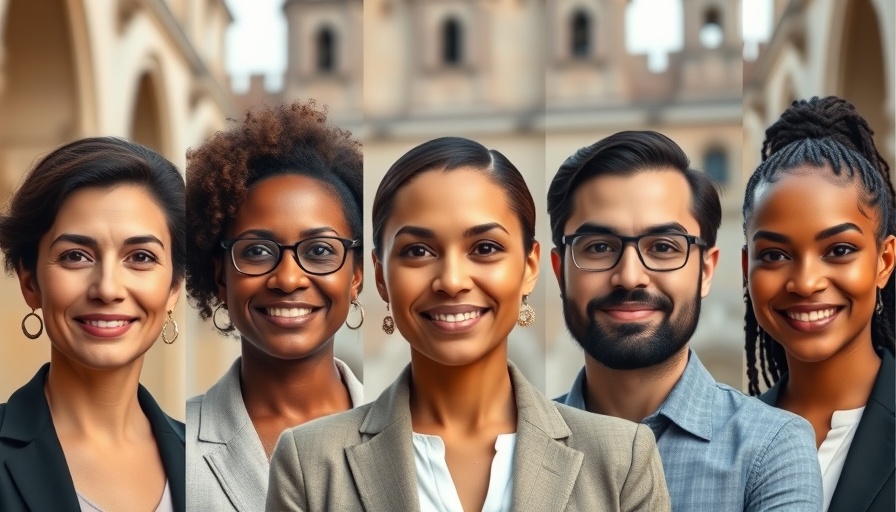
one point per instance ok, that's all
(103, 324)
(288, 312)
(459, 317)
(812, 316)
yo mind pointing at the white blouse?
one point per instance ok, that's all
(436, 488)
(833, 450)
(165, 505)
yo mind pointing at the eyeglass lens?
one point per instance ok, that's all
(316, 255)
(658, 252)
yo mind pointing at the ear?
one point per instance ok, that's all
(530, 273)
(557, 265)
(379, 277)
(29, 286)
(357, 278)
(886, 260)
(710, 260)
(174, 295)
(220, 280)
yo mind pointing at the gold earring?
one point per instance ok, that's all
(356, 305)
(388, 322)
(527, 314)
(173, 322)
(40, 329)
(229, 326)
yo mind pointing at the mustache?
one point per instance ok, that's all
(621, 296)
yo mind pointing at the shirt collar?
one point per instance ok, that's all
(689, 404)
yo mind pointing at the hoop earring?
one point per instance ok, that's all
(388, 322)
(879, 307)
(527, 314)
(215, 318)
(40, 330)
(169, 321)
(356, 305)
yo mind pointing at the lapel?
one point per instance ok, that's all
(39, 465)
(545, 470)
(382, 464)
(170, 438)
(238, 459)
(870, 461)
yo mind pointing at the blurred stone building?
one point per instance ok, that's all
(535, 80)
(148, 70)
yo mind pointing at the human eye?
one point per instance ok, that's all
(597, 245)
(666, 245)
(142, 258)
(319, 250)
(256, 250)
(75, 258)
(772, 256)
(487, 248)
(416, 251)
(841, 251)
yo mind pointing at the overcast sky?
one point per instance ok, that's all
(256, 41)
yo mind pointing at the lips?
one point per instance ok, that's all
(105, 326)
(630, 311)
(455, 318)
(810, 317)
(288, 314)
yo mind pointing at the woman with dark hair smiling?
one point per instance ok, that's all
(455, 259)
(95, 235)
(820, 223)
(274, 209)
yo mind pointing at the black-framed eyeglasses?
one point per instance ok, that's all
(319, 255)
(660, 252)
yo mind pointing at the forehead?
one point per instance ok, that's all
(804, 203)
(290, 203)
(122, 209)
(630, 204)
(452, 200)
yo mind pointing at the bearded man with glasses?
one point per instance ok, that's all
(634, 230)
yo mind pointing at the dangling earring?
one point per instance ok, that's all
(527, 314)
(879, 307)
(388, 322)
(356, 305)
(169, 321)
(229, 325)
(40, 330)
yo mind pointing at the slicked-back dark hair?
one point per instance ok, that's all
(626, 154)
(293, 139)
(448, 154)
(101, 162)
(827, 134)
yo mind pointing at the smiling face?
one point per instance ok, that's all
(453, 267)
(629, 317)
(103, 278)
(813, 265)
(288, 313)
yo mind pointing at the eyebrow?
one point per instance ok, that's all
(825, 233)
(483, 228)
(669, 227)
(91, 242)
(429, 234)
(267, 234)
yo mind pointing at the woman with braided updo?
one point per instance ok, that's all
(274, 223)
(820, 227)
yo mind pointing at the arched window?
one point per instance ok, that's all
(580, 32)
(711, 33)
(452, 42)
(715, 163)
(326, 50)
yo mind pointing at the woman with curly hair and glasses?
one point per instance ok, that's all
(274, 214)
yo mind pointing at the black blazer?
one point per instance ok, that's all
(866, 483)
(33, 473)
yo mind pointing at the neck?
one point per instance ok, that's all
(840, 382)
(453, 396)
(306, 388)
(87, 402)
(631, 394)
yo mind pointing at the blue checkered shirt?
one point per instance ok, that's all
(725, 451)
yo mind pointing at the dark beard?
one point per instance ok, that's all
(634, 345)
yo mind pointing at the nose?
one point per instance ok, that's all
(629, 272)
(108, 285)
(288, 276)
(806, 278)
(453, 276)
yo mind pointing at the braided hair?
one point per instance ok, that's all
(829, 135)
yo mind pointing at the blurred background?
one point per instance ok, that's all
(535, 80)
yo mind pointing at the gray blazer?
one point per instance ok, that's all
(565, 459)
(227, 468)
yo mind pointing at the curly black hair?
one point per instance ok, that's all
(829, 135)
(271, 141)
